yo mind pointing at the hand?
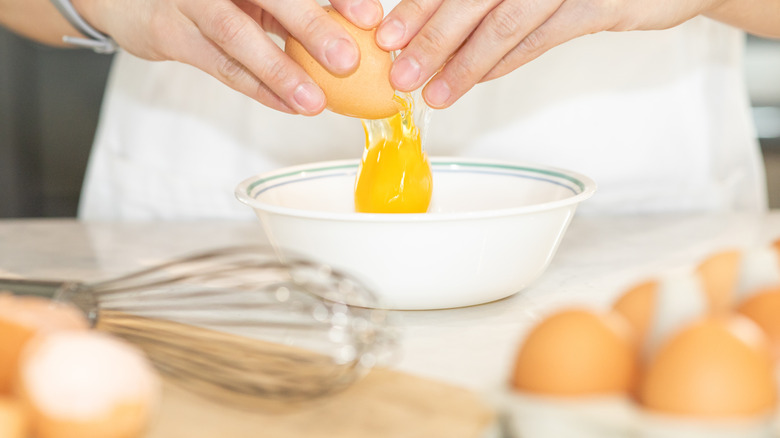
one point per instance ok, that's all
(228, 39)
(472, 41)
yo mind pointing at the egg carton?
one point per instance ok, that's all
(691, 352)
(537, 416)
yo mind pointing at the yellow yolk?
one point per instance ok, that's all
(394, 175)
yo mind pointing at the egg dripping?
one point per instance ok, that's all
(394, 175)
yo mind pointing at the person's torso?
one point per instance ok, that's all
(659, 119)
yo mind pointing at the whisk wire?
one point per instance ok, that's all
(237, 321)
(141, 281)
(234, 363)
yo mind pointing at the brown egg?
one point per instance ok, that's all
(14, 419)
(21, 318)
(366, 93)
(763, 308)
(577, 352)
(716, 367)
(86, 384)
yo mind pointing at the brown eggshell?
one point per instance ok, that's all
(576, 352)
(366, 93)
(21, 318)
(776, 245)
(717, 367)
(49, 384)
(719, 274)
(637, 306)
(14, 419)
(124, 421)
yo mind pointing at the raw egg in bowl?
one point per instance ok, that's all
(491, 229)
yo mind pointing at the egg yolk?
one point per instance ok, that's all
(394, 175)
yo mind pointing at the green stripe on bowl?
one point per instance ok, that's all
(546, 172)
(556, 174)
(296, 172)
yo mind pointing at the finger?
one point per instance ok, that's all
(404, 21)
(263, 18)
(365, 14)
(322, 36)
(205, 55)
(250, 8)
(500, 31)
(572, 20)
(248, 52)
(439, 38)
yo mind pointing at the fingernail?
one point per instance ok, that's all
(366, 12)
(405, 73)
(341, 55)
(390, 33)
(437, 93)
(309, 97)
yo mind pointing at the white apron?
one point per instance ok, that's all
(660, 120)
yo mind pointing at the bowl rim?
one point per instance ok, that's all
(587, 189)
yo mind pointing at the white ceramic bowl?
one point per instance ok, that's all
(491, 230)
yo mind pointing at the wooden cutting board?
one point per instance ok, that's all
(384, 404)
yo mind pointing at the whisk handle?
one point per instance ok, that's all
(71, 292)
(41, 288)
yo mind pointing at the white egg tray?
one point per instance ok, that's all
(534, 416)
(681, 297)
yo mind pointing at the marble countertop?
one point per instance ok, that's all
(473, 347)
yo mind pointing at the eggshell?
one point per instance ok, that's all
(366, 93)
(763, 308)
(657, 308)
(716, 367)
(719, 274)
(577, 352)
(637, 305)
(776, 245)
(21, 318)
(14, 419)
(86, 384)
(121, 421)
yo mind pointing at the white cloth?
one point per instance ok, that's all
(659, 119)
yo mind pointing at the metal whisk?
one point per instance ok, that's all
(236, 322)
